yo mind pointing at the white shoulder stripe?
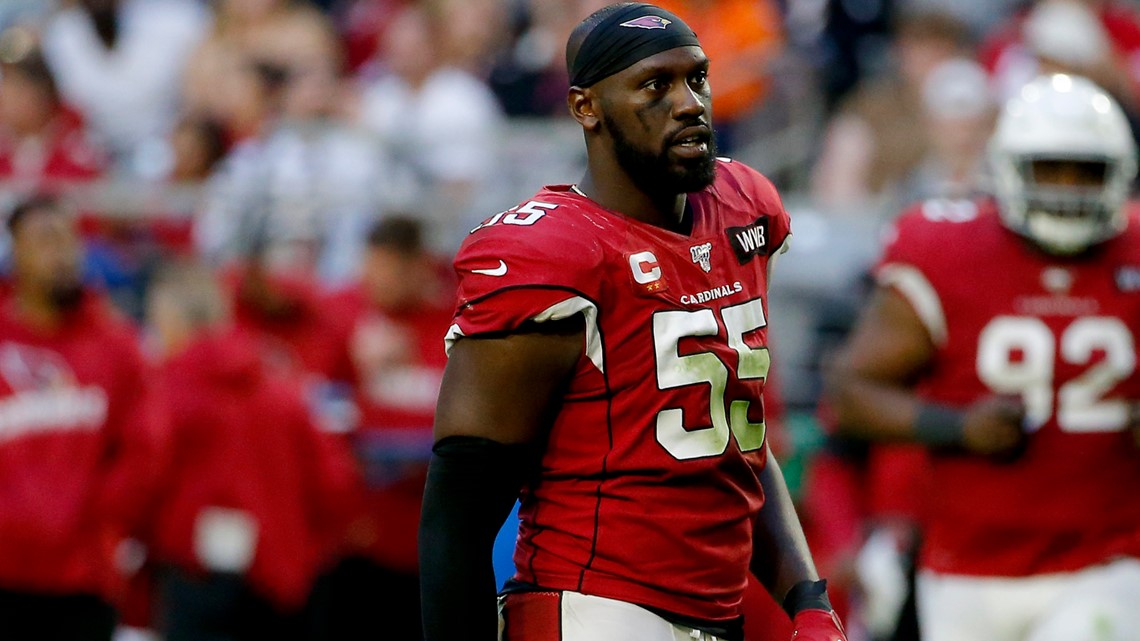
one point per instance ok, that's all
(557, 311)
(570, 307)
(917, 290)
(454, 333)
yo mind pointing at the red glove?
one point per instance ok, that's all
(817, 625)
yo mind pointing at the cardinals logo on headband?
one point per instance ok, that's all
(648, 22)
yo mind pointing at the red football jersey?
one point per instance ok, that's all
(1008, 319)
(648, 489)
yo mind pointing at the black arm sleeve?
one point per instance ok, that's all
(472, 484)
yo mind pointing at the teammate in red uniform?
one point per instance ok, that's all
(79, 438)
(1002, 336)
(607, 357)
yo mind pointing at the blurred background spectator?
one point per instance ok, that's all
(388, 352)
(120, 62)
(529, 74)
(253, 493)
(302, 190)
(81, 440)
(441, 121)
(248, 37)
(42, 140)
(325, 159)
(285, 313)
(957, 116)
(877, 137)
(1099, 39)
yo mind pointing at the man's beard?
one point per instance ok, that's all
(656, 173)
(66, 296)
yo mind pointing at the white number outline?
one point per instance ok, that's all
(674, 371)
(533, 211)
(1080, 405)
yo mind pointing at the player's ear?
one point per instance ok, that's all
(583, 107)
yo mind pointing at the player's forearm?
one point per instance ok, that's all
(872, 410)
(472, 484)
(780, 555)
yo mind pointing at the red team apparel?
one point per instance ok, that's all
(648, 489)
(395, 363)
(1007, 319)
(392, 358)
(249, 463)
(79, 436)
(297, 338)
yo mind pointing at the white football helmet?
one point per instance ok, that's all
(1062, 117)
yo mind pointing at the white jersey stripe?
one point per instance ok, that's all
(557, 311)
(913, 285)
(570, 307)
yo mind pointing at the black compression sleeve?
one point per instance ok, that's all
(472, 484)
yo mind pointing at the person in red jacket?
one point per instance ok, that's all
(389, 349)
(80, 440)
(285, 311)
(254, 491)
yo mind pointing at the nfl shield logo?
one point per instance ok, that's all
(1057, 280)
(701, 255)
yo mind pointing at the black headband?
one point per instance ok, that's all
(626, 36)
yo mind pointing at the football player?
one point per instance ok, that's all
(1003, 335)
(606, 364)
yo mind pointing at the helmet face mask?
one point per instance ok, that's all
(1067, 218)
(1063, 159)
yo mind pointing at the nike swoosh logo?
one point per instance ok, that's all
(501, 270)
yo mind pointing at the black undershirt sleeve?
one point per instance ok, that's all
(472, 484)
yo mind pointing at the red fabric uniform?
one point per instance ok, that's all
(649, 487)
(300, 340)
(243, 440)
(1009, 319)
(80, 448)
(395, 362)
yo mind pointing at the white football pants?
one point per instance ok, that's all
(1099, 603)
(571, 616)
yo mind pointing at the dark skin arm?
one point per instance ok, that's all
(780, 555)
(495, 406)
(504, 388)
(871, 382)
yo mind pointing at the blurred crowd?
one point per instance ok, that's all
(248, 207)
